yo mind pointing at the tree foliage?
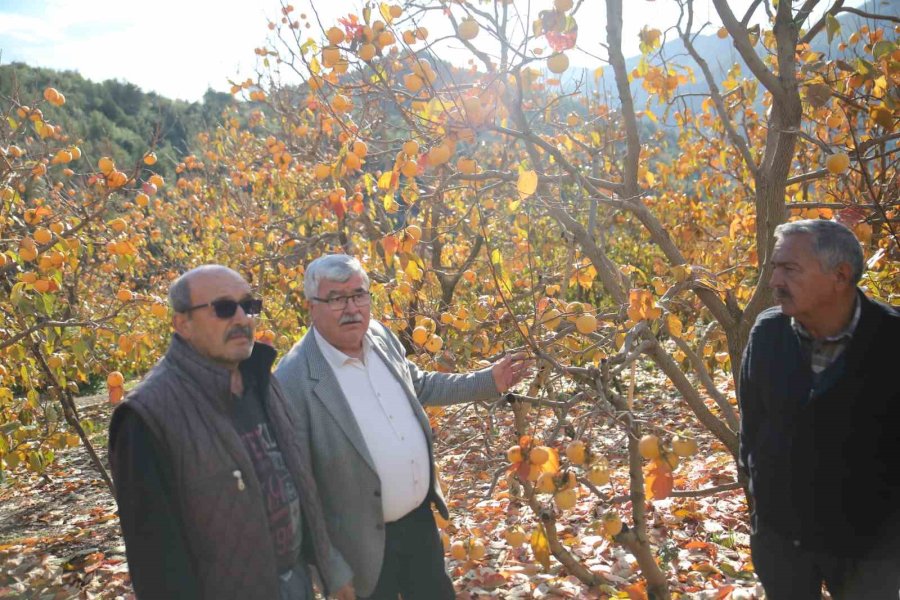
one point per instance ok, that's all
(495, 209)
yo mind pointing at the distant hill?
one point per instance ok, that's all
(116, 118)
(721, 55)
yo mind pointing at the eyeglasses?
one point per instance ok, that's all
(336, 303)
(226, 308)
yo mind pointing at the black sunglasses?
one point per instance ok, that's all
(226, 308)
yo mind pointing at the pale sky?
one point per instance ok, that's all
(179, 48)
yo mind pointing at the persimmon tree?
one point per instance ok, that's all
(675, 232)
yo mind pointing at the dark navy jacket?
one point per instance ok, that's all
(824, 461)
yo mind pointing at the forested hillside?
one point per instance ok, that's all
(116, 118)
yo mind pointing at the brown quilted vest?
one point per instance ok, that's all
(183, 401)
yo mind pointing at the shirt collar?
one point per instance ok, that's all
(843, 335)
(335, 357)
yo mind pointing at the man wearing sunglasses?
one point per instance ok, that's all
(214, 486)
(360, 402)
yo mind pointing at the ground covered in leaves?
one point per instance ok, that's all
(59, 534)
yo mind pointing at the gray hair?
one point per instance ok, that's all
(180, 290)
(833, 243)
(331, 267)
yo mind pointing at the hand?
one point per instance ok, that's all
(510, 370)
(346, 593)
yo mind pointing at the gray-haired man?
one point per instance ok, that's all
(360, 404)
(820, 432)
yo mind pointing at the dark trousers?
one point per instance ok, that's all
(788, 572)
(413, 566)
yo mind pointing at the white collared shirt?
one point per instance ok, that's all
(392, 433)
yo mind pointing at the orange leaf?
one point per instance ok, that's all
(637, 591)
(658, 482)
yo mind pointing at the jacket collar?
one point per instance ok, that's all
(213, 377)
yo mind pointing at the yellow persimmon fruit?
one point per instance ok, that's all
(514, 454)
(413, 82)
(385, 38)
(116, 394)
(42, 286)
(330, 56)
(837, 163)
(420, 335)
(466, 165)
(43, 236)
(722, 33)
(648, 447)
(458, 550)
(586, 323)
(598, 475)
(563, 5)
(468, 29)
(159, 311)
(477, 550)
(124, 295)
(683, 446)
(434, 344)
(352, 161)
(115, 379)
(612, 524)
(576, 452)
(321, 171)
(411, 147)
(422, 33)
(150, 159)
(106, 165)
(558, 63)
(367, 52)
(27, 250)
(409, 168)
(340, 103)
(439, 155)
(51, 95)
(538, 455)
(334, 35)
(551, 318)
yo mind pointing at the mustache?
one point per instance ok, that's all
(239, 331)
(347, 319)
(781, 293)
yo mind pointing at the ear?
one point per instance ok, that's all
(181, 323)
(843, 274)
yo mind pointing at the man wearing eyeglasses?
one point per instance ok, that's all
(360, 402)
(215, 491)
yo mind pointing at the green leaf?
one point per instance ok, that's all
(881, 48)
(832, 26)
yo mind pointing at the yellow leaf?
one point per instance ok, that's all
(384, 182)
(598, 73)
(541, 547)
(527, 183)
(674, 324)
(385, 11)
(413, 271)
